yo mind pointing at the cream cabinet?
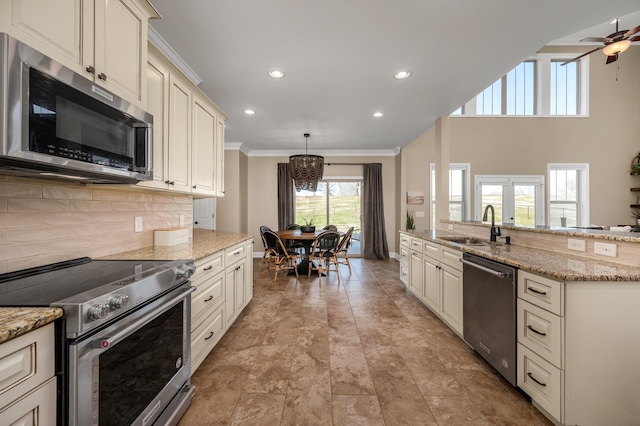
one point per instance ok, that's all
(236, 276)
(27, 381)
(404, 259)
(415, 273)
(442, 285)
(104, 40)
(188, 147)
(577, 357)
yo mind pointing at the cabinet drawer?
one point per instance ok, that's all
(404, 255)
(541, 331)
(543, 292)
(431, 249)
(405, 239)
(543, 382)
(416, 244)
(235, 253)
(208, 267)
(206, 335)
(25, 363)
(451, 257)
(404, 274)
(211, 296)
(36, 408)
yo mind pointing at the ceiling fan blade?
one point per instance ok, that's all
(583, 55)
(632, 31)
(612, 58)
(636, 38)
(597, 39)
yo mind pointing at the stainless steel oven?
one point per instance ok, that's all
(124, 350)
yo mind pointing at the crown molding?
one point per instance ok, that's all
(173, 56)
(391, 152)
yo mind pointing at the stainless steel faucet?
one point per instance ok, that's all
(495, 231)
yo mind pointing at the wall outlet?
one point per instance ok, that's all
(605, 249)
(181, 220)
(419, 214)
(137, 224)
(450, 227)
(577, 245)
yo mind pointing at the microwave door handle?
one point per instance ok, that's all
(148, 147)
(107, 342)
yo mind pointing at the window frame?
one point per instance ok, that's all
(508, 182)
(542, 83)
(466, 191)
(582, 169)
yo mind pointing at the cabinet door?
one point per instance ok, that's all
(51, 27)
(240, 277)
(158, 106)
(415, 274)
(36, 408)
(248, 292)
(451, 302)
(120, 47)
(203, 145)
(179, 134)
(431, 293)
(218, 162)
(230, 296)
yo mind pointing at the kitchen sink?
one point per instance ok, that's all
(465, 241)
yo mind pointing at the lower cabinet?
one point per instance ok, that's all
(442, 283)
(224, 286)
(27, 382)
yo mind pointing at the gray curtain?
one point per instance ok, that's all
(286, 210)
(374, 234)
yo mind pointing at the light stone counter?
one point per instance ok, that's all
(556, 265)
(204, 243)
(15, 322)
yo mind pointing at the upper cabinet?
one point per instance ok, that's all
(104, 40)
(188, 138)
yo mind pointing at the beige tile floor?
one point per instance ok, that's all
(359, 352)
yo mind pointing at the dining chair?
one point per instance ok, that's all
(266, 257)
(283, 258)
(323, 250)
(292, 243)
(342, 252)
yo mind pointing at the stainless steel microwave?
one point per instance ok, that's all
(57, 124)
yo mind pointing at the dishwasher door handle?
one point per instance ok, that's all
(485, 269)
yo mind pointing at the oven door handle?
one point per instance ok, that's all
(107, 342)
(485, 269)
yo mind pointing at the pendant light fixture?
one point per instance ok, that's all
(306, 170)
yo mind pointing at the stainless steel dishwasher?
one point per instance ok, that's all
(489, 309)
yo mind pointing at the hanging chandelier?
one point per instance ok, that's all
(306, 170)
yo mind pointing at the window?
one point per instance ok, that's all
(568, 194)
(458, 192)
(516, 200)
(539, 86)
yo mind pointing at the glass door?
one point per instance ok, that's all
(335, 202)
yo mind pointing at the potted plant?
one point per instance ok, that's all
(410, 224)
(636, 214)
(309, 225)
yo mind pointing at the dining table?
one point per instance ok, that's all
(306, 239)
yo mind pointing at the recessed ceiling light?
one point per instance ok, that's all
(378, 114)
(401, 75)
(276, 74)
(249, 112)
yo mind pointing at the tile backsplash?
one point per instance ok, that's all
(45, 221)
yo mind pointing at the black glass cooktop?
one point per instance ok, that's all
(81, 279)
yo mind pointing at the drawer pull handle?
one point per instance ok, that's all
(544, 293)
(534, 379)
(536, 331)
(211, 335)
(211, 297)
(208, 268)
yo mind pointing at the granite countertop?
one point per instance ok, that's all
(15, 322)
(205, 242)
(556, 265)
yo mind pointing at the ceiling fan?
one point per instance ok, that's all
(614, 43)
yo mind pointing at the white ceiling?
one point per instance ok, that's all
(339, 57)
